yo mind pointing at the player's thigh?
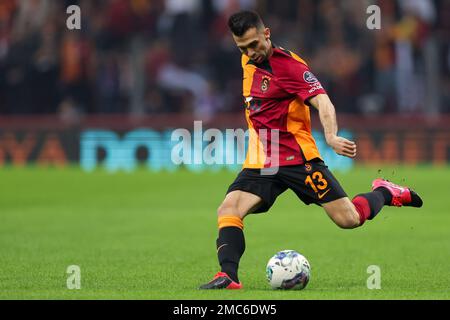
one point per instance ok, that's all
(239, 203)
(343, 213)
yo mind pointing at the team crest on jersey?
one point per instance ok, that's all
(309, 77)
(265, 84)
(308, 167)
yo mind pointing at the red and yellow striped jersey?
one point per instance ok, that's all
(276, 94)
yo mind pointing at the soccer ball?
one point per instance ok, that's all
(287, 270)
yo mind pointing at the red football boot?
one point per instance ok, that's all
(221, 281)
(401, 196)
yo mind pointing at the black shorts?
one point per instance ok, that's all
(312, 183)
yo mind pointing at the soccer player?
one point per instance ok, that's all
(279, 88)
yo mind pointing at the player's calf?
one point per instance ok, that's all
(343, 213)
(348, 221)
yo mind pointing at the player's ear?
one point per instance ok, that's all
(267, 33)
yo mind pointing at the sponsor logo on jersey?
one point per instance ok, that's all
(315, 87)
(308, 167)
(309, 77)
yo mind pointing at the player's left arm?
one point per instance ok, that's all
(298, 79)
(327, 114)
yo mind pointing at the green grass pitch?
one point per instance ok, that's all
(152, 236)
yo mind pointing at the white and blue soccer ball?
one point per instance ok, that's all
(288, 270)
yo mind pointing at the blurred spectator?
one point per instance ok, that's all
(411, 34)
(162, 56)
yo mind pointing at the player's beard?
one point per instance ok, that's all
(260, 59)
(263, 57)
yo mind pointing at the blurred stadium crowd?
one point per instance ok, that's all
(163, 56)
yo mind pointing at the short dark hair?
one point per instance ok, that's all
(239, 23)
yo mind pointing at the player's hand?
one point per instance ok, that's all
(342, 146)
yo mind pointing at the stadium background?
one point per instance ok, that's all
(74, 104)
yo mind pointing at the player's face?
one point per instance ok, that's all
(255, 44)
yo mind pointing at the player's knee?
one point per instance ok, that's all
(347, 221)
(228, 209)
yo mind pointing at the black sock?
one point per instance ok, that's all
(376, 200)
(230, 248)
(386, 194)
